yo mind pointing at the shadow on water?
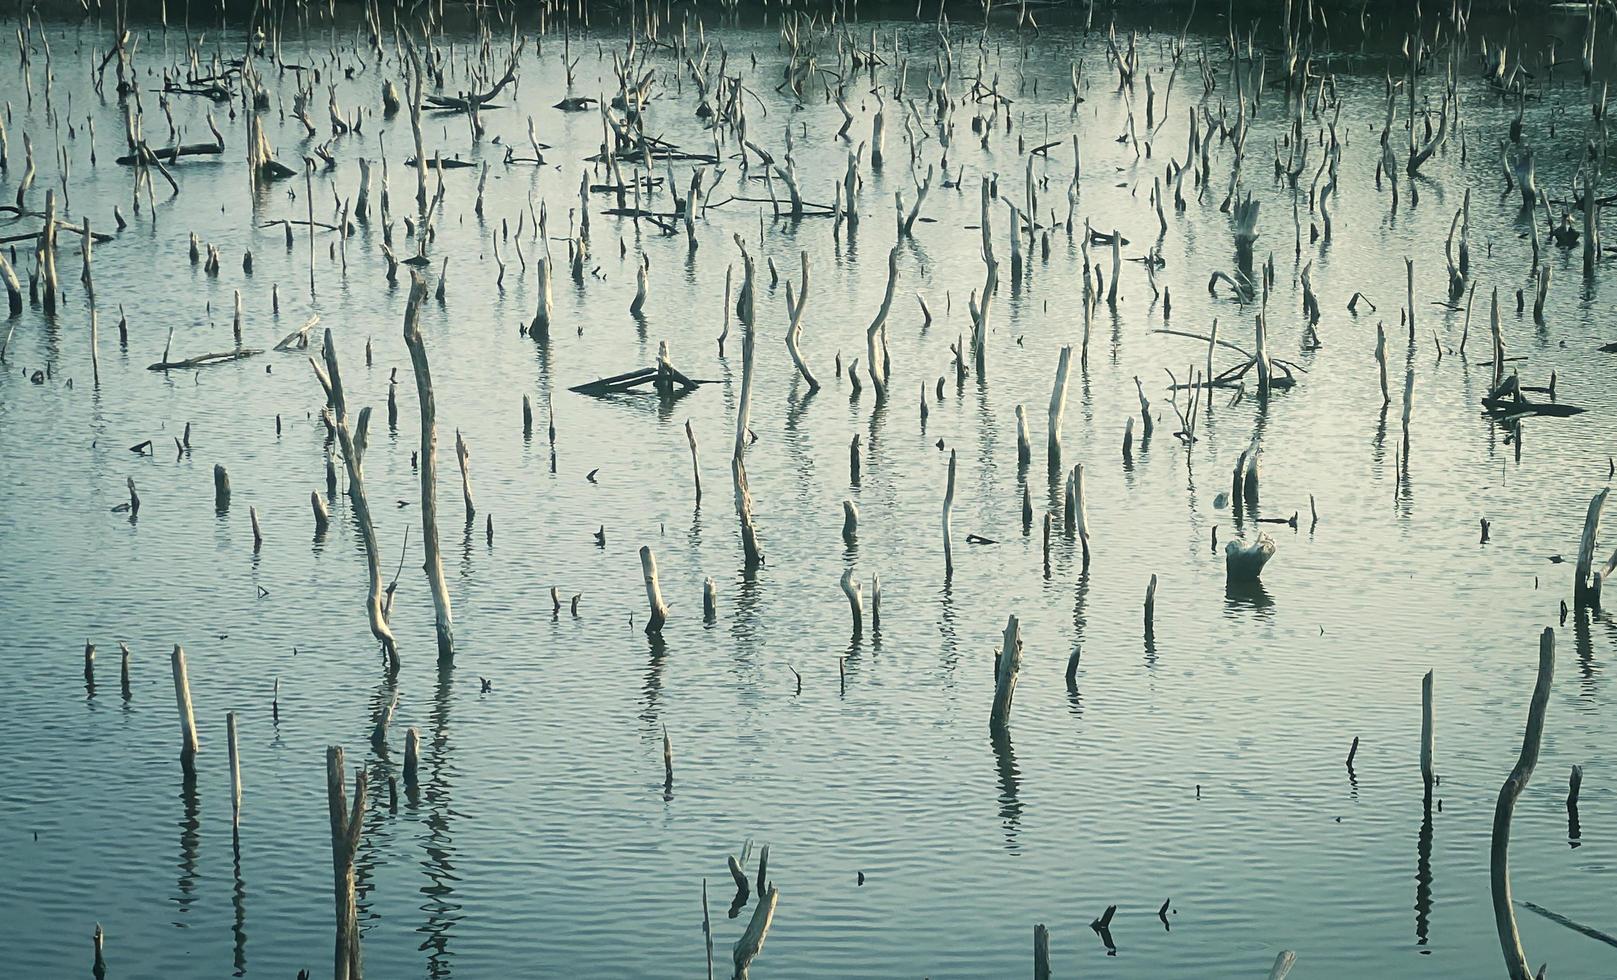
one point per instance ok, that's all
(438, 894)
(190, 837)
(1010, 803)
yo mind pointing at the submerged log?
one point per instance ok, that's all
(204, 360)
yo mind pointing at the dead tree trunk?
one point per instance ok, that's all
(346, 829)
(352, 451)
(443, 614)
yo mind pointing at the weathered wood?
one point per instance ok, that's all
(794, 329)
(205, 360)
(1080, 510)
(696, 467)
(331, 380)
(432, 561)
(752, 939)
(1427, 730)
(322, 518)
(1008, 662)
(221, 488)
(1058, 405)
(1244, 562)
(654, 593)
(463, 455)
(235, 773)
(1584, 591)
(412, 758)
(347, 827)
(856, 606)
(1504, 912)
(188, 723)
(948, 513)
(875, 333)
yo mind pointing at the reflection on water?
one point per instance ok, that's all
(1248, 595)
(438, 846)
(897, 762)
(190, 838)
(1423, 873)
(1010, 803)
(238, 903)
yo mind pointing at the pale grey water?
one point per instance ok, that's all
(543, 843)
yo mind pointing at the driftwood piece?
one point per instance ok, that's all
(205, 360)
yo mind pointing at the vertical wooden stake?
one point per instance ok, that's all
(1041, 952)
(1426, 732)
(948, 511)
(654, 592)
(188, 722)
(235, 773)
(412, 758)
(346, 829)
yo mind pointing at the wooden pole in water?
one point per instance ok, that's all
(462, 454)
(1426, 730)
(221, 488)
(877, 328)
(696, 468)
(443, 612)
(1009, 664)
(707, 931)
(346, 829)
(948, 511)
(123, 669)
(412, 758)
(1041, 952)
(188, 722)
(235, 774)
(322, 518)
(1504, 910)
(1081, 510)
(1583, 590)
(99, 968)
(856, 605)
(1058, 404)
(654, 592)
(1151, 608)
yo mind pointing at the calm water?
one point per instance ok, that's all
(1206, 767)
